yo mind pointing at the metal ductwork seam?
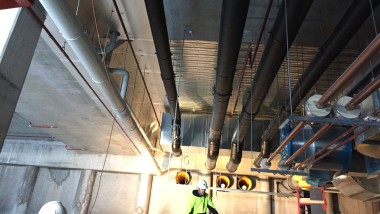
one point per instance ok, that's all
(356, 14)
(273, 56)
(157, 20)
(233, 18)
(62, 15)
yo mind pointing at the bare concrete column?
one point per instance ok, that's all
(264, 200)
(143, 197)
(84, 192)
(329, 203)
(26, 189)
(15, 63)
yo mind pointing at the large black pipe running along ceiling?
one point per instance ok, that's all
(156, 15)
(234, 14)
(273, 56)
(356, 14)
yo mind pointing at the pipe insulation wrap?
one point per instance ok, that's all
(233, 18)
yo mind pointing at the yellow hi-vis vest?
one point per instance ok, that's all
(198, 204)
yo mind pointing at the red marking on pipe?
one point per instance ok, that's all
(30, 136)
(249, 55)
(7, 4)
(42, 126)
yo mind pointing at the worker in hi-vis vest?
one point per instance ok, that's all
(200, 200)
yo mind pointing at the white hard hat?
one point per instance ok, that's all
(53, 207)
(202, 184)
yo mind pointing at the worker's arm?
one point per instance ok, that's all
(211, 206)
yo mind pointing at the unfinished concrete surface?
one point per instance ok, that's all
(62, 142)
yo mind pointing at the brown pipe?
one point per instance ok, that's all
(376, 112)
(252, 59)
(308, 143)
(347, 75)
(341, 144)
(287, 140)
(327, 146)
(363, 94)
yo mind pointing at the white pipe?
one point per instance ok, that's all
(124, 84)
(61, 14)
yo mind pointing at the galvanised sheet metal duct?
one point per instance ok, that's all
(61, 14)
(156, 15)
(273, 56)
(234, 14)
(352, 20)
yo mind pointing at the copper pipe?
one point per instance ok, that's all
(327, 146)
(376, 112)
(363, 94)
(286, 140)
(308, 143)
(252, 59)
(341, 144)
(347, 75)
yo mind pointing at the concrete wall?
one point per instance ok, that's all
(25, 189)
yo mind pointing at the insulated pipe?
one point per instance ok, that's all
(124, 84)
(61, 14)
(340, 145)
(363, 94)
(273, 56)
(356, 14)
(250, 57)
(350, 72)
(317, 135)
(327, 146)
(111, 45)
(234, 14)
(156, 15)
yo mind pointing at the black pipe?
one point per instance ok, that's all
(234, 14)
(349, 24)
(156, 15)
(273, 56)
